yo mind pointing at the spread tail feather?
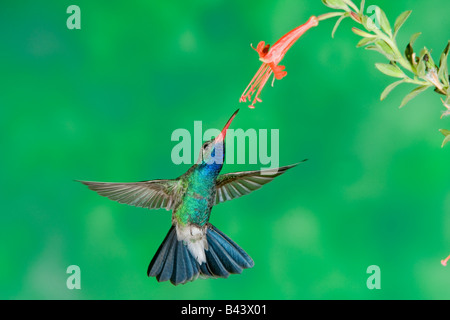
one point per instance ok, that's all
(173, 261)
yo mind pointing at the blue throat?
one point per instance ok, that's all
(212, 166)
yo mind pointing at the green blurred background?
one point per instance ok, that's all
(101, 104)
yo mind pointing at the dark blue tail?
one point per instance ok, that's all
(173, 261)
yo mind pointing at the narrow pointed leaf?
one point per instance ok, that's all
(443, 66)
(389, 88)
(338, 22)
(413, 94)
(368, 23)
(361, 33)
(400, 21)
(443, 73)
(351, 4)
(414, 38)
(363, 3)
(445, 53)
(365, 41)
(421, 68)
(383, 20)
(390, 70)
(446, 133)
(336, 4)
(386, 49)
(377, 48)
(446, 140)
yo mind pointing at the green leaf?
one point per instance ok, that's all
(446, 50)
(444, 56)
(443, 73)
(390, 70)
(365, 41)
(368, 23)
(336, 4)
(383, 20)
(423, 52)
(363, 3)
(377, 48)
(446, 133)
(361, 33)
(443, 66)
(422, 64)
(400, 21)
(351, 4)
(413, 94)
(414, 38)
(389, 88)
(385, 49)
(338, 22)
(421, 68)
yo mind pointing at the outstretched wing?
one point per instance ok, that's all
(234, 185)
(153, 194)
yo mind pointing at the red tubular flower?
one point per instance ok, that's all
(270, 58)
(444, 262)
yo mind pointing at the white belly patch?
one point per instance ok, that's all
(195, 239)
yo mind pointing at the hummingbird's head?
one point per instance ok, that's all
(213, 151)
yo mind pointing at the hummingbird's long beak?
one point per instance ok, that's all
(222, 135)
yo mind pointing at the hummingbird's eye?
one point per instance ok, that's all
(208, 144)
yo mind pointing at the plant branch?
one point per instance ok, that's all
(381, 37)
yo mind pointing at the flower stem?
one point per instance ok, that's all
(444, 262)
(329, 15)
(381, 37)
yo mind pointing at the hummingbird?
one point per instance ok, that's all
(193, 247)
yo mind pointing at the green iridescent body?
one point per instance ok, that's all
(199, 196)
